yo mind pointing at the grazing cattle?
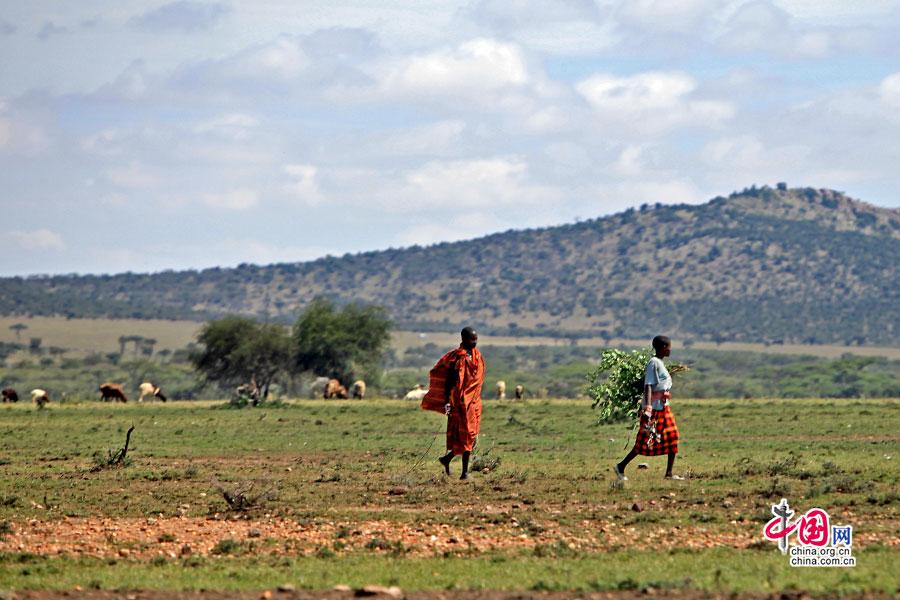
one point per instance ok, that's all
(416, 394)
(334, 389)
(501, 390)
(359, 389)
(112, 391)
(520, 392)
(10, 395)
(318, 387)
(153, 391)
(40, 397)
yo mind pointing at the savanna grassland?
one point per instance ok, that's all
(319, 493)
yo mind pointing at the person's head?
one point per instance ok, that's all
(469, 338)
(662, 345)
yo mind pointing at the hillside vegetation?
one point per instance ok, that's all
(763, 265)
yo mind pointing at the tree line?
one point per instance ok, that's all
(343, 343)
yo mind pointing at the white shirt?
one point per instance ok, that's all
(659, 380)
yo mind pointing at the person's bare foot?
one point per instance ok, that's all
(464, 477)
(444, 460)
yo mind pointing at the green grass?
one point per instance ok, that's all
(340, 462)
(724, 569)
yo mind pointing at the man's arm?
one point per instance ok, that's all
(452, 377)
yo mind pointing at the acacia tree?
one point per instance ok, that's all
(235, 350)
(18, 327)
(344, 343)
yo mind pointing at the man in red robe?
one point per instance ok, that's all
(455, 390)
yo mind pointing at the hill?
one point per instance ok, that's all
(763, 265)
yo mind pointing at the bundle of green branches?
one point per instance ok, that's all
(617, 384)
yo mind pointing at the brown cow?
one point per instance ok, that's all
(334, 389)
(359, 389)
(112, 391)
(520, 392)
(10, 395)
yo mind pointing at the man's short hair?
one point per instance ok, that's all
(660, 341)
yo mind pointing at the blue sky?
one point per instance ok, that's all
(151, 135)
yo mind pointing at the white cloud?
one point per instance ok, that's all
(505, 14)
(630, 162)
(303, 186)
(23, 132)
(468, 225)
(183, 16)
(683, 16)
(49, 30)
(748, 155)
(475, 67)
(42, 239)
(471, 183)
(234, 126)
(432, 139)
(650, 103)
(889, 90)
(814, 45)
(135, 176)
(280, 61)
(5, 132)
(238, 199)
(134, 84)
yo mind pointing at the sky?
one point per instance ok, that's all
(150, 135)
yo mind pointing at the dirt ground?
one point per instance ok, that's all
(386, 594)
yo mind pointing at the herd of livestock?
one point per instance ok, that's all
(322, 386)
(109, 392)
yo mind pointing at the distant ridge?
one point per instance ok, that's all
(770, 265)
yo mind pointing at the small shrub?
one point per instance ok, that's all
(762, 516)
(883, 499)
(528, 524)
(784, 466)
(480, 462)
(103, 461)
(705, 517)
(10, 501)
(249, 494)
(776, 489)
(166, 538)
(558, 549)
(228, 546)
(378, 543)
(342, 532)
(324, 552)
(159, 561)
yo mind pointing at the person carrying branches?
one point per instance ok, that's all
(658, 433)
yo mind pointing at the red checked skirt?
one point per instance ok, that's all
(665, 427)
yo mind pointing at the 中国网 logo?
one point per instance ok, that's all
(819, 544)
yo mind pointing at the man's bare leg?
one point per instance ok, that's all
(445, 460)
(465, 466)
